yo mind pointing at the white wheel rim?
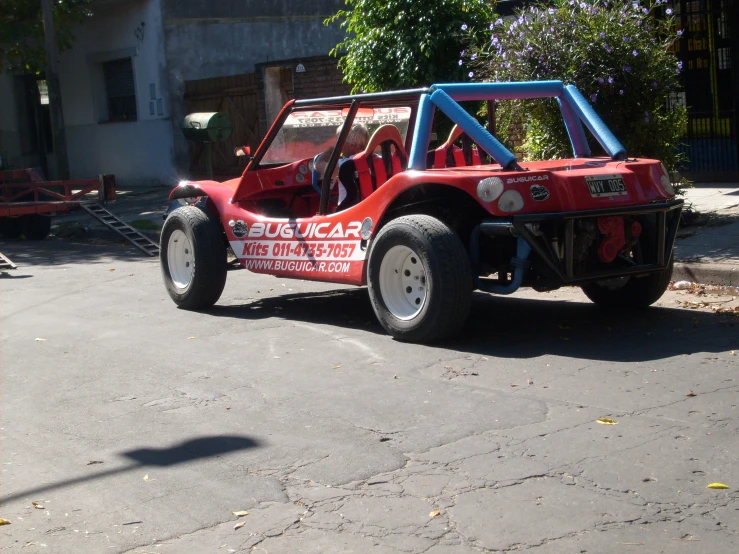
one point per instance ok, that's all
(180, 259)
(403, 282)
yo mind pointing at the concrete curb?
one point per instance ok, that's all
(707, 273)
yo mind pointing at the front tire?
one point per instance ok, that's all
(192, 254)
(420, 279)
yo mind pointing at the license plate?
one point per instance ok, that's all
(606, 185)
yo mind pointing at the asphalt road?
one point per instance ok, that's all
(138, 427)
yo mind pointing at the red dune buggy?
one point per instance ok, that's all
(424, 225)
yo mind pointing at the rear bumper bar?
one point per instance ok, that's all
(560, 267)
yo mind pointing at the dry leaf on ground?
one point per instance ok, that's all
(435, 513)
(240, 513)
(691, 393)
(146, 477)
(37, 505)
(239, 525)
(4, 521)
(39, 339)
(606, 421)
(718, 486)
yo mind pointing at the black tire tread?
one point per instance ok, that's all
(209, 278)
(455, 276)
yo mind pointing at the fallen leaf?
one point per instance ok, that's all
(514, 384)
(240, 513)
(190, 338)
(435, 513)
(691, 393)
(111, 270)
(530, 382)
(239, 525)
(718, 486)
(606, 421)
(38, 506)
(336, 367)
(146, 477)
(92, 462)
(732, 353)
(4, 521)
(38, 339)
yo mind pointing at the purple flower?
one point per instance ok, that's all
(460, 62)
(583, 5)
(680, 64)
(668, 11)
(654, 84)
(601, 80)
(621, 92)
(593, 98)
(474, 57)
(635, 53)
(470, 74)
(494, 40)
(608, 48)
(610, 80)
(602, 35)
(551, 11)
(635, 5)
(464, 27)
(626, 68)
(679, 32)
(645, 10)
(498, 21)
(491, 26)
(626, 39)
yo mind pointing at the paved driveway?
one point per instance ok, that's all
(138, 427)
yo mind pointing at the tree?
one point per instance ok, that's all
(22, 31)
(618, 54)
(395, 44)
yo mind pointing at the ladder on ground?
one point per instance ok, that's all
(142, 242)
(5, 263)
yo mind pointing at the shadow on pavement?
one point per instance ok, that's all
(187, 451)
(524, 328)
(54, 251)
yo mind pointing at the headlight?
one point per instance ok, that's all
(489, 189)
(511, 201)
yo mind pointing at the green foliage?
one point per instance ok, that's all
(395, 44)
(22, 31)
(619, 56)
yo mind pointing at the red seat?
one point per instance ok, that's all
(450, 154)
(372, 170)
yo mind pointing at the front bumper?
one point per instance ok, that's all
(558, 265)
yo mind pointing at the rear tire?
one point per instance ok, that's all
(420, 279)
(36, 226)
(193, 258)
(11, 227)
(637, 293)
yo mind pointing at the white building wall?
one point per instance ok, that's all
(137, 152)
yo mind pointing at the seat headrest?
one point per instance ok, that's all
(385, 133)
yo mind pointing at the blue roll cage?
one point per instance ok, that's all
(576, 111)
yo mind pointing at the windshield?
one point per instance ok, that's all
(309, 132)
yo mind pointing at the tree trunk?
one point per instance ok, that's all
(55, 94)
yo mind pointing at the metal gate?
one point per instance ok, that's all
(710, 87)
(237, 96)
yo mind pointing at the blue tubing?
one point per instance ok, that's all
(520, 264)
(594, 123)
(474, 130)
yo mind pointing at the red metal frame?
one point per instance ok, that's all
(23, 192)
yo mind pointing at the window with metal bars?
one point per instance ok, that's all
(120, 90)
